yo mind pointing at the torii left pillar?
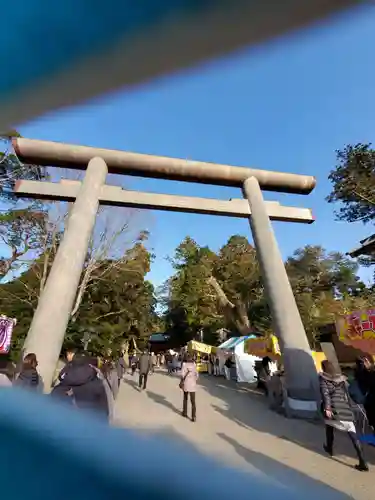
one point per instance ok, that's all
(47, 331)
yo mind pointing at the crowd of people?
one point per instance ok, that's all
(83, 383)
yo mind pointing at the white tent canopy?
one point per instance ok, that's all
(245, 363)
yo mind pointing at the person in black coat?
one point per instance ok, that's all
(365, 380)
(29, 376)
(338, 413)
(80, 386)
(145, 366)
(70, 353)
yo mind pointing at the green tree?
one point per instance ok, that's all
(120, 303)
(190, 302)
(23, 223)
(238, 274)
(353, 183)
(320, 282)
(24, 234)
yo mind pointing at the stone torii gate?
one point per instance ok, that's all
(48, 326)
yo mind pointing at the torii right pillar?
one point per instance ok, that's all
(300, 371)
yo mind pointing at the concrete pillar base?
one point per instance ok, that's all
(300, 408)
(293, 404)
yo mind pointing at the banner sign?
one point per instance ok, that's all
(193, 345)
(357, 329)
(263, 346)
(6, 331)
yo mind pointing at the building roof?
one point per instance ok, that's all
(159, 337)
(234, 341)
(367, 247)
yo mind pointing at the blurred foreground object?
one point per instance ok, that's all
(51, 58)
(65, 453)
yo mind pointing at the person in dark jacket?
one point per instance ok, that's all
(81, 387)
(28, 377)
(110, 372)
(133, 362)
(338, 413)
(361, 374)
(120, 368)
(145, 366)
(70, 353)
(365, 380)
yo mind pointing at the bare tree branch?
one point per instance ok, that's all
(113, 313)
(236, 312)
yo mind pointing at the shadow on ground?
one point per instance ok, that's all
(133, 382)
(272, 471)
(161, 400)
(157, 398)
(282, 473)
(249, 409)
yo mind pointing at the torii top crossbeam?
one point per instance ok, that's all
(123, 162)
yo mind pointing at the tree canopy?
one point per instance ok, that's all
(353, 183)
(190, 301)
(119, 305)
(23, 223)
(324, 284)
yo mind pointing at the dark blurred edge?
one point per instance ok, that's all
(170, 47)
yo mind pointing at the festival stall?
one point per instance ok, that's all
(269, 347)
(244, 363)
(201, 351)
(357, 329)
(263, 347)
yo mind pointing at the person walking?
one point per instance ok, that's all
(153, 362)
(162, 360)
(110, 372)
(120, 368)
(29, 376)
(82, 388)
(217, 366)
(175, 364)
(338, 413)
(211, 364)
(145, 366)
(365, 387)
(107, 373)
(69, 356)
(133, 364)
(168, 360)
(228, 367)
(188, 384)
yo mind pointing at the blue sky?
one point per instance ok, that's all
(286, 106)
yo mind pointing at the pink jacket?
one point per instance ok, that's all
(189, 377)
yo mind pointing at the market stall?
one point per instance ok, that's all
(357, 329)
(201, 353)
(263, 347)
(243, 369)
(269, 347)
